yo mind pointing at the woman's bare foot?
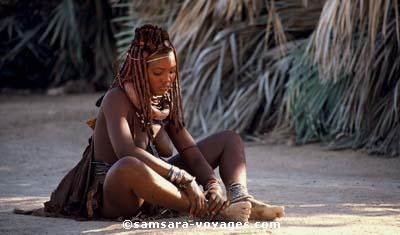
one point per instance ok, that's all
(262, 211)
(236, 212)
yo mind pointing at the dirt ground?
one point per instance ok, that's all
(324, 192)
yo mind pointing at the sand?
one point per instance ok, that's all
(325, 192)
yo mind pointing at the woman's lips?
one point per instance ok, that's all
(164, 89)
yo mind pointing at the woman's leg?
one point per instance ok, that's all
(226, 150)
(129, 182)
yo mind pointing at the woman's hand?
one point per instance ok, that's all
(198, 203)
(216, 200)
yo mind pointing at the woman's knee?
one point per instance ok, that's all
(130, 165)
(232, 138)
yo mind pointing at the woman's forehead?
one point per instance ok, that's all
(163, 61)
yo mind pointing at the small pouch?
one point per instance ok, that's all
(91, 123)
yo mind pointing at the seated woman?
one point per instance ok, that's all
(138, 118)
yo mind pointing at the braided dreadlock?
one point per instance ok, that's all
(149, 41)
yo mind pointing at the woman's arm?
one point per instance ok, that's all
(192, 156)
(116, 107)
(200, 168)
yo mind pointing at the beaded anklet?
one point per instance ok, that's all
(238, 192)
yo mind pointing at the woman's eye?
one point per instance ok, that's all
(157, 72)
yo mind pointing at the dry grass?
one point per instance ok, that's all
(324, 70)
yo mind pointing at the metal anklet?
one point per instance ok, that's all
(238, 192)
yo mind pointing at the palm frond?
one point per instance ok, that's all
(323, 70)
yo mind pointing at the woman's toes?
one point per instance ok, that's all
(280, 211)
(237, 212)
(266, 212)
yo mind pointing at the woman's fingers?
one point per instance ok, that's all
(198, 206)
(192, 208)
(201, 208)
(218, 208)
(204, 208)
(214, 199)
(217, 205)
(226, 205)
(201, 211)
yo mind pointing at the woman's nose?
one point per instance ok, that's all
(167, 80)
(171, 77)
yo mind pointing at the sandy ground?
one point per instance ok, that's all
(324, 192)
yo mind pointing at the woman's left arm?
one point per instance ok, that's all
(191, 155)
(199, 167)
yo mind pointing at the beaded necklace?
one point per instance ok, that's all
(160, 102)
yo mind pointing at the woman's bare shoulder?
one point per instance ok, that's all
(116, 99)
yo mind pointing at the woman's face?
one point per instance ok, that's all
(162, 73)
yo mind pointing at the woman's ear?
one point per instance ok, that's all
(130, 91)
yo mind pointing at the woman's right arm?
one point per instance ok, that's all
(116, 107)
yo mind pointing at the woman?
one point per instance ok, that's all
(138, 118)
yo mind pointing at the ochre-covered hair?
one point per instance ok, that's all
(149, 41)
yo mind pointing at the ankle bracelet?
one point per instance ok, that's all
(238, 192)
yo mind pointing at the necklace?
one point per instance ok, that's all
(160, 102)
(147, 126)
(156, 101)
